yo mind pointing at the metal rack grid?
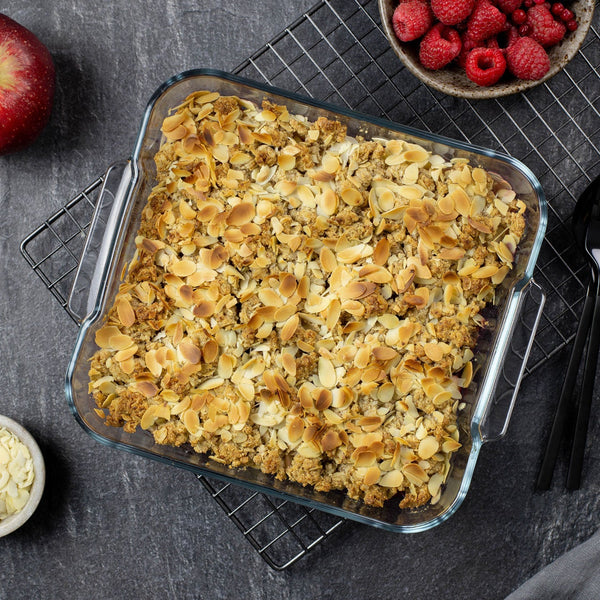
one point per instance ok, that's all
(338, 53)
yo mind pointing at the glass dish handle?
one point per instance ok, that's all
(522, 330)
(94, 263)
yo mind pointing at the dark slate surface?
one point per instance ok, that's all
(112, 525)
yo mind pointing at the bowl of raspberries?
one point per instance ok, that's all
(485, 48)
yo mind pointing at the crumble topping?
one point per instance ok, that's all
(305, 302)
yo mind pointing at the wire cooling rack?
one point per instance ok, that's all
(337, 52)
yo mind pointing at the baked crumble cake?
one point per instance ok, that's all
(305, 302)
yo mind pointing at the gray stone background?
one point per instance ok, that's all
(113, 525)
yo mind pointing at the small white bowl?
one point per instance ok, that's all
(15, 521)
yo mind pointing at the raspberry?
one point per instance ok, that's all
(411, 20)
(519, 16)
(486, 21)
(440, 45)
(557, 8)
(485, 66)
(528, 3)
(526, 59)
(452, 12)
(508, 6)
(544, 28)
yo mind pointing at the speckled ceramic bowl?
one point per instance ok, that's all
(15, 521)
(453, 81)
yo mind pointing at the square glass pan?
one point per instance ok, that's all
(110, 247)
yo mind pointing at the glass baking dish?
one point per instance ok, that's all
(500, 366)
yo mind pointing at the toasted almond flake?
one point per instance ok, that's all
(415, 154)
(289, 329)
(428, 446)
(414, 300)
(327, 259)
(270, 297)
(104, 335)
(125, 312)
(127, 366)
(434, 484)
(286, 162)
(191, 421)
(225, 366)
(362, 357)
(120, 341)
(246, 389)
(478, 225)
(181, 406)
(477, 205)
(296, 430)
(452, 253)
(372, 475)
(500, 275)
(289, 363)
(183, 268)
(308, 450)
(326, 372)
(172, 122)
(446, 205)
(433, 351)
(331, 417)
(389, 321)
(334, 311)
(354, 253)
(415, 473)
(241, 214)
(328, 202)
(283, 313)
(381, 252)
(357, 289)
(122, 355)
(330, 440)
(484, 272)
(153, 365)
(146, 388)
(450, 445)
(212, 383)
(288, 285)
(204, 309)
(384, 353)
(330, 163)
(418, 214)
(469, 267)
(186, 294)
(392, 479)
(147, 419)
(352, 197)
(375, 273)
(467, 374)
(441, 399)
(207, 213)
(190, 352)
(461, 201)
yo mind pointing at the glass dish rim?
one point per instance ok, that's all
(512, 301)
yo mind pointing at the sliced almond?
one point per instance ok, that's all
(326, 372)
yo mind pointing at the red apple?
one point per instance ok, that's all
(26, 86)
